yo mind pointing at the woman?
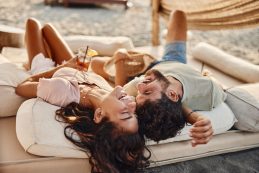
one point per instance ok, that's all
(165, 86)
(103, 118)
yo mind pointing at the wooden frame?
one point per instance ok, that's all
(155, 22)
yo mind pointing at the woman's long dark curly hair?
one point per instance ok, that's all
(111, 150)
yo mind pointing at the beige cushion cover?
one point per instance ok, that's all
(10, 77)
(105, 46)
(226, 63)
(40, 133)
(244, 102)
(15, 160)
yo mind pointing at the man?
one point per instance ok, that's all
(160, 93)
(171, 85)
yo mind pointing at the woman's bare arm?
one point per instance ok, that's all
(28, 88)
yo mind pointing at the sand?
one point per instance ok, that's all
(114, 20)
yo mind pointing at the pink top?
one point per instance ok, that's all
(63, 87)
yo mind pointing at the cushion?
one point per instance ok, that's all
(39, 133)
(17, 56)
(244, 102)
(105, 46)
(233, 66)
(10, 76)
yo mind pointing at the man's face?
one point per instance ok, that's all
(151, 87)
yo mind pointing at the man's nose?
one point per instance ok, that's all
(140, 87)
(139, 99)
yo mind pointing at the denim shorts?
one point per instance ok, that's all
(175, 51)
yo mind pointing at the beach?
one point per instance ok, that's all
(136, 23)
(114, 20)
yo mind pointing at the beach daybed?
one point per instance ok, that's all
(33, 141)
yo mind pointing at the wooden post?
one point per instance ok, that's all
(155, 22)
(65, 2)
(50, 2)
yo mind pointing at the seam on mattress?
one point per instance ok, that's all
(33, 121)
(206, 154)
(32, 161)
(57, 146)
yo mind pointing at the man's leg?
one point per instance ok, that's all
(97, 65)
(120, 78)
(34, 40)
(175, 49)
(60, 51)
(177, 27)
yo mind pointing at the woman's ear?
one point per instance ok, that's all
(98, 115)
(172, 95)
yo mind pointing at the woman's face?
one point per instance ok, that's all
(120, 108)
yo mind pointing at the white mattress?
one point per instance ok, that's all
(13, 156)
(231, 141)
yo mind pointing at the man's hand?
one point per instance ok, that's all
(202, 131)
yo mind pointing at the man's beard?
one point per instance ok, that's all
(160, 77)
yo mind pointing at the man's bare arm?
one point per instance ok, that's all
(202, 131)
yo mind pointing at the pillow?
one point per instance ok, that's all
(221, 117)
(10, 76)
(17, 56)
(105, 46)
(244, 102)
(39, 133)
(226, 63)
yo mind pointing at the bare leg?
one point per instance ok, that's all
(121, 73)
(97, 65)
(177, 27)
(34, 40)
(59, 49)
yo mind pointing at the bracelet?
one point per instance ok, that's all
(190, 113)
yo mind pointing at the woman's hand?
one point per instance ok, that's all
(202, 131)
(77, 63)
